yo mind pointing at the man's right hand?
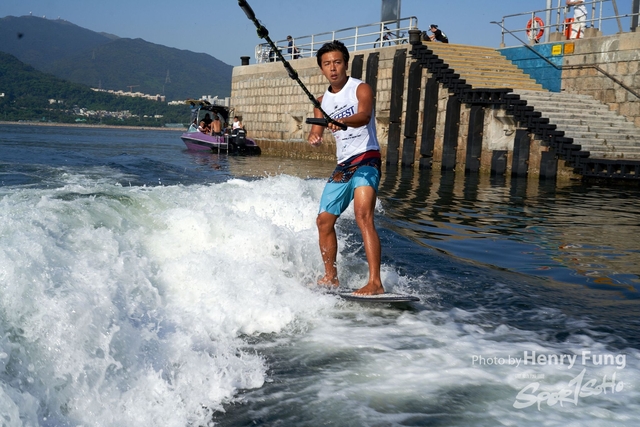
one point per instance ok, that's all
(314, 139)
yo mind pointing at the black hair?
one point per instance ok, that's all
(334, 46)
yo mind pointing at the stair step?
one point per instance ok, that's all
(500, 82)
(494, 76)
(597, 144)
(564, 105)
(558, 105)
(570, 113)
(489, 70)
(621, 137)
(592, 127)
(594, 154)
(615, 156)
(489, 63)
(481, 84)
(572, 118)
(597, 151)
(587, 125)
(466, 51)
(555, 96)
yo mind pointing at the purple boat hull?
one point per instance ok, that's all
(195, 140)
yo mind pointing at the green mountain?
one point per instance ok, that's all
(108, 62)
(39, 42)
(28, 94)
(147, 68)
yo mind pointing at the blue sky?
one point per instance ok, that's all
(220, 28)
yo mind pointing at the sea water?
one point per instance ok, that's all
(145, 285)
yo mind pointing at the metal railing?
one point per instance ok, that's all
(367, 36)
(600, 15)
(567, 67)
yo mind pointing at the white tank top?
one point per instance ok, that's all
(352, 141)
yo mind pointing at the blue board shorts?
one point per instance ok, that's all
(362, 170)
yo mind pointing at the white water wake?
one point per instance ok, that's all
(128, 305)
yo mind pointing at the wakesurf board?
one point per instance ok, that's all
(380, 298)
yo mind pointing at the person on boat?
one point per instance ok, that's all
(207, 120)
(202, 127)
(237, 124)
(437, 35)
(194, 112)
(216, 125)
(357, 174)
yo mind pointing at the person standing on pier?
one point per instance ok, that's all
(293, 51)
(579, 18)
(357, 175)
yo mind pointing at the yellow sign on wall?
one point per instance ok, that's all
(569, 48)
(556, 49)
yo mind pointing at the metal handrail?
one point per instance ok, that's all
(595, 18)
(355, 38)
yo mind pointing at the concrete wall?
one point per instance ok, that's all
(274, 107)
(619, 56)
(536, 67)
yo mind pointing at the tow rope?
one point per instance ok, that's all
(263, 33)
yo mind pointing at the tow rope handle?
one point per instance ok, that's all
(320, 122)
(263, 33)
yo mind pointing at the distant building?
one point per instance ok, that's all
(160, 98)
(213, 100)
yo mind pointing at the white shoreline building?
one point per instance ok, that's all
(158, 97)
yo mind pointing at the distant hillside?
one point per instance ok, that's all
(147, 67)
(104, 60)
(27, 94)
(39, 42)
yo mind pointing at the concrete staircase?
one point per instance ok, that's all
(482, 67)
(600, 131)
(584, 120)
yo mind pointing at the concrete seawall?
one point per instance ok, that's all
(273, 107)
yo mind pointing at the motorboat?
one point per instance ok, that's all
(231, 141)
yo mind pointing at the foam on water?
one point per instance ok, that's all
(127, 305)
(375, 367)
(153, 306)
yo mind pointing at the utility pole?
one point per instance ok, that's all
(167, 80)
(635, 9)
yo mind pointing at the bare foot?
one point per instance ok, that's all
(370, 289)
(329, 282)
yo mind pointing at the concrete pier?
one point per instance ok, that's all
(468, 123)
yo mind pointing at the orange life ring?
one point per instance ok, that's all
(535, 24)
